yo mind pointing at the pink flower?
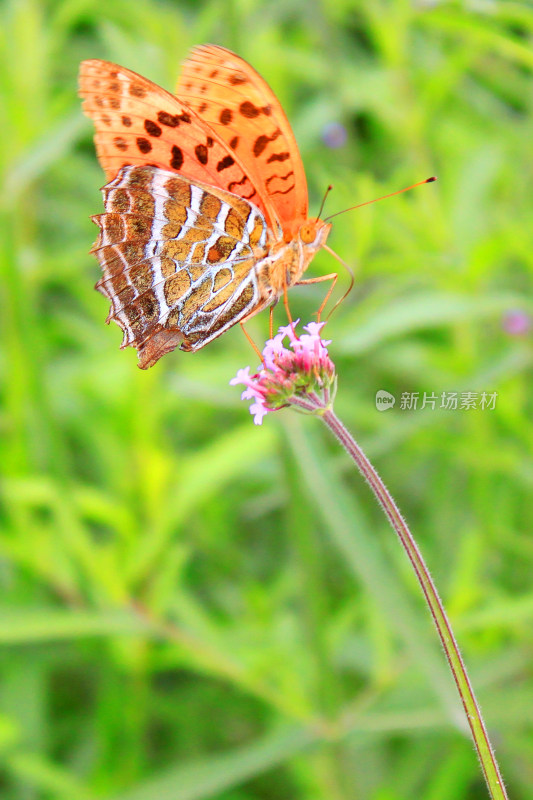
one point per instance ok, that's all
(302, 376)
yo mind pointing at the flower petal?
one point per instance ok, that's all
(242, 376)
(290, 331)
(259, 411)
(314, 328)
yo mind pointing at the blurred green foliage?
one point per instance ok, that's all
(192, 607)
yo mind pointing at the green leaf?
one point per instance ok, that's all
(214, 774)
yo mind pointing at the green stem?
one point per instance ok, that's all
(473, 713)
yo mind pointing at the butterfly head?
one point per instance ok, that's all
(290, 258)
(313, 234)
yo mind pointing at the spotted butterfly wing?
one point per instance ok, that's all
(235, 101)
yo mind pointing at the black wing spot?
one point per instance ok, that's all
(226, 116)
(176, 161)
(262, 141)
(278, 157)
(119, 143)
(137, 91)
(170, 120)
(126, 121)
(237, 183)
(236, 79)
(144, 145)
(286, 191)
(260, 144)
(201, 153)
(152, 128)
(280, 177)
(248, 110)
(224, 163)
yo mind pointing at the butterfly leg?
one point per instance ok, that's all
(286, 304)
(333, 276)
(287, 309)
(251, 341)
(271, 321)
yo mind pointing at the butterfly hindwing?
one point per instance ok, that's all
(180, 260)
(235, 101)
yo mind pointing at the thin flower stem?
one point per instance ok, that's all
(299, 403)
(473, 713)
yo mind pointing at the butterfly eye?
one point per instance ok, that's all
(308, 233)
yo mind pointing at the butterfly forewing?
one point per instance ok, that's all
(138, 122)
(179, 260)
(239, 105)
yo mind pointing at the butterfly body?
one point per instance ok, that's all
(205, 219)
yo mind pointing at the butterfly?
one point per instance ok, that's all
(206, 205)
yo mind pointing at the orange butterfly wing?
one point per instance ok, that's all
(235, 101)
(139, 123)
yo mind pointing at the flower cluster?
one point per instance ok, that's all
(302, 377)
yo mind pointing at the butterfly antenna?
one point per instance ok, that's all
(384, 197)
(350, 273)
(328, 190)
